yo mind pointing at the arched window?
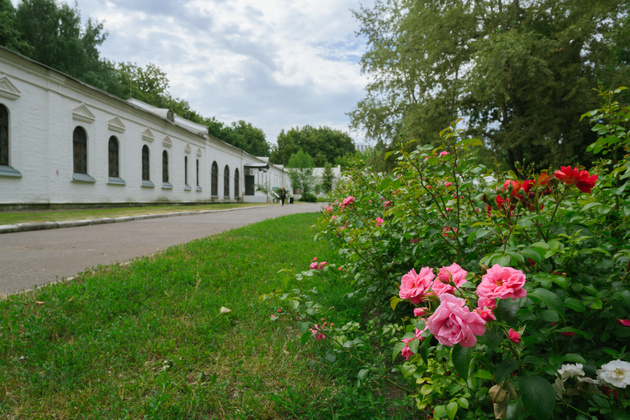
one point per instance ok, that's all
(145, 163)
(236, 184)
(165, 167)
(197, 173)
(79, 142)
(226, 181)
(214, 190)
(113, 157)
(186, 170)
(4, 136)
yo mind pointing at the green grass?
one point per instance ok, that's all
(10, 217)
(148, 340)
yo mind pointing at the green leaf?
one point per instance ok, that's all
(397, 349)
(574, 304)
(363, 374)
(549, 298)
(451, 410)
(305, 337)
(483, 374)
(490, 339)
(533, 255)
(461, 357)
(505, 369)
(424, 350)
(413, 346)
(393, 302)
(538, 396)
(590, 206)
(439, 411)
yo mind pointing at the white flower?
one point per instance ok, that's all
(571, 371)
(615, 373)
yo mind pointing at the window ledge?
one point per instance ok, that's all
(147, 184)
(226, 197)
(83, 178)
(167, 186)
(114, 180)
(6, 170)
(199, 189)
(187, 188)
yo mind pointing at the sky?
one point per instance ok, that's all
(277, 64)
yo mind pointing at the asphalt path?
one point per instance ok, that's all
(29, 259)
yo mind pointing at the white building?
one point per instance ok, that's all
(63, 142)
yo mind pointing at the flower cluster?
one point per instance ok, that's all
(318, 330)
(317, 265)
(453, 322)
(581, 179)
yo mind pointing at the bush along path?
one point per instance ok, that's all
(497, 297)
(183, 334)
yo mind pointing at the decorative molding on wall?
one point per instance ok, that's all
(83, 113)
(167, 142)
(8, 89)
(147, 135)
(115, 124)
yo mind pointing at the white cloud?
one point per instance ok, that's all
(276, 64)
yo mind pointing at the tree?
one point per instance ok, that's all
(324, 144)
(57, 38)
(10, 36)
(301, 166)
(328, 178)
(240, 134)
(520, 72)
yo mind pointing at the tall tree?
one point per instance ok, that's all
(324, 144)
(241, 134)
(301, 166)
(10, 36)
(521, 72)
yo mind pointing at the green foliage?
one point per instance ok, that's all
(328, 177)
(240, 134)
(324, 144)
(519, 71)
(308, 197)
(567, 232)
(301, 172)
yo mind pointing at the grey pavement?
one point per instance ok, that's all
(36, 257)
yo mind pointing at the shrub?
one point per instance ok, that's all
(528, 311)
(308, 197)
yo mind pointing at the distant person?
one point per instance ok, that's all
(283, 195)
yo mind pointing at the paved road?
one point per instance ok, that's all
(28, 259)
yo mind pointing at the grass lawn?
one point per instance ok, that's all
(148, 339)
(36, 216)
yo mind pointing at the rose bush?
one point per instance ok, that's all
(535, 273)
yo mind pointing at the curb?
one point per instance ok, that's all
(27, 227)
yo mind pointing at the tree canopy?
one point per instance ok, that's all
(240, 134)
(324, 144)
(301, 166)
(521, 72)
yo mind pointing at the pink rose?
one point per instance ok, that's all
(387, 204)
(317, 333)
(420, 311)
(406, 353)
(515, 337)
(448, 184)
(486, 314)
(452, 322)
(328, 208)
(379, 221)
(441, 284)
(348, 200)
(413, 286)
(490, 303)
(446, 232)
(313, 266)
(624, 322)
(502, 282)
(444, 153)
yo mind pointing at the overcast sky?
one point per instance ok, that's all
(274, 63)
